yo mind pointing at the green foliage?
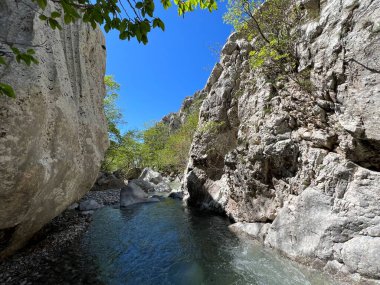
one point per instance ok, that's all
(7, 90)
(124, 153)
(154, 147)
(113, 114)
(174, 155)
(155, 139)
(130, 19)
(212, 127)
(25, 57)
(157, 146)
(274, 26)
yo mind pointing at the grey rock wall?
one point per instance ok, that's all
(53, 135)
(304, 168)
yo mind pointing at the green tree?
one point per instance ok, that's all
(131, 19)
(154, 140)
(125, 149)
(274, 25)
(175, 154)
(168, 151)
(112, 112)
(124, 153)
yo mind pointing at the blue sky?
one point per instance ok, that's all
(174, 64)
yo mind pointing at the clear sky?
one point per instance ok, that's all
(174, 64)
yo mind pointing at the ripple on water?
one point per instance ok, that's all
(164, 243)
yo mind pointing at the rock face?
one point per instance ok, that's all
(53, 135)
(190, 104)
(302, 168)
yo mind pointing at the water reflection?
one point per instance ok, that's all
(163, 243)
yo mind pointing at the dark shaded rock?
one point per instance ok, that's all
(176, 195)
(107, 181)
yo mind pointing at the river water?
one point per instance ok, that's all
(165, 243)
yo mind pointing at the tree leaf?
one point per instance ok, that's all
(158, 23)
(55, 14)
(7, 90)
(42, 4)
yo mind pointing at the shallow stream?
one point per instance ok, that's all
(165, 243)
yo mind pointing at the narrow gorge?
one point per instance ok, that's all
(260, 179)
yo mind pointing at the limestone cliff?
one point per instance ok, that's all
(53, 135)
(302, 169)
(191, 104)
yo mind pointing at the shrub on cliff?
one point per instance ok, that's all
(273, 26)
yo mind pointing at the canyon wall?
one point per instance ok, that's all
(53, 135)
(300, 170)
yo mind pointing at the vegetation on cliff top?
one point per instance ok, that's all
(274, 26)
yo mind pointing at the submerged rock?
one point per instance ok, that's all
(89, 205)
(53, 135)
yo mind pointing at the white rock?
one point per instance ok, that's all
(54, 134)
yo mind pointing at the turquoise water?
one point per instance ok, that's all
(164, 243)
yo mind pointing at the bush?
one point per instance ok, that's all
(274, 28)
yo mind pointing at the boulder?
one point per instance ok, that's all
(162, 187)
(151, 176)
(89, 205)
(176, 195)
(254, 230)
(53, 135)
(144, 185)
(132, 193)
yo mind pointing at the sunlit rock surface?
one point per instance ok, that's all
(305, 166)
(53, 135)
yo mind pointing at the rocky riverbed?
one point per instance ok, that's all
(49, 257)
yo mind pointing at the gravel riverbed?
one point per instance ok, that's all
(51, 256)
